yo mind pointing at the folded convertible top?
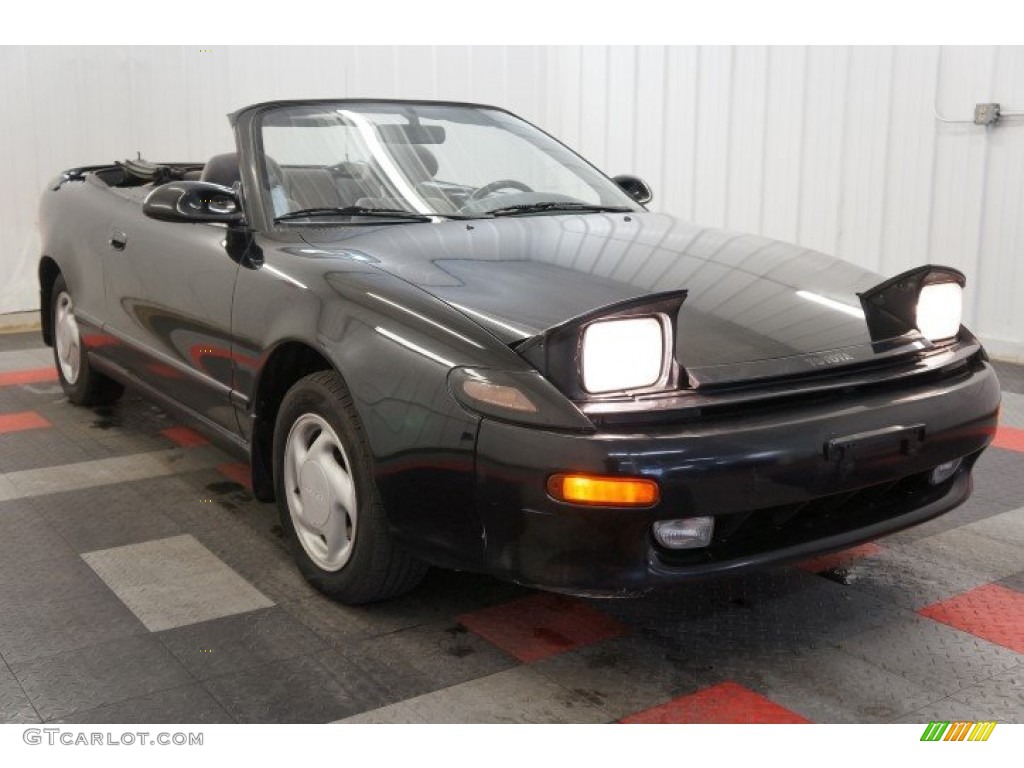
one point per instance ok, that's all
(152, 172)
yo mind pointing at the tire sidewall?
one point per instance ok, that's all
(312, 397)
(76, 392)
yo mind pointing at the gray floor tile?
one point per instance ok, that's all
(905, 579)
(298, 690)
(237, 643)
(69, 682)
(1012, 411)
(620, 676)
(997, 477)
(944, 710)
(931, 654)
(93, 473)
(1006, 527)
(1001, 696)
(187, 704)
(420, 659)
(172, 582)
(977, 507)
(1011, 376)
(965, 550)
(830, 686)
(518, 695)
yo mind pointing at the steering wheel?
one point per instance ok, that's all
(494, 186)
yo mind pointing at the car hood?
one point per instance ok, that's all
(749, 298)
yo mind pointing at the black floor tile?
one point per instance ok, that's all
(420, 660)
(187, 704)
(237, 643)
(52, 571)
(10, 342)
(49, 627)
(26, 535)
(1015, 582)
(299, 690)
(110, 516)
(74, 681)
(15, 706)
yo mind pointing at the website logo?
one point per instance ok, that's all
(960, 730)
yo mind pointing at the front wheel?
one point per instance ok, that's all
(330, 509)
(81, 384)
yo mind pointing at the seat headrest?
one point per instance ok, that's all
(222, 169)
(416, 161)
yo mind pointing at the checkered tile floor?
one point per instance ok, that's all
(140, 582)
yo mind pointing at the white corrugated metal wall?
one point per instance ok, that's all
(837, 148)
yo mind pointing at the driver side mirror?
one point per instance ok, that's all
(193, 201)
(635, 187)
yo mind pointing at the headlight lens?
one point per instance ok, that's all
(623, 354)
(940, 310)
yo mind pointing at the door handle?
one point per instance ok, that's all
(118, 240)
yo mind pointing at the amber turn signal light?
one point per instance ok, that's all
(604, 491)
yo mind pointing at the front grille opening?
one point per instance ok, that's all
(743, 534)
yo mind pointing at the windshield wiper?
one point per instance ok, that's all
(512, 210)
(354, 210)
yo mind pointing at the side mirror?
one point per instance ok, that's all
(635, 187)
(193, 201)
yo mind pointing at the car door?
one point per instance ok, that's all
(169, 293)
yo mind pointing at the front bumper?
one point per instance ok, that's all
(778, 494)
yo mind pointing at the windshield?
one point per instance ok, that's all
(350, 160)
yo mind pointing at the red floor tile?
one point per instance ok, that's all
(164, 371)
(29, 376)
(237, 472)
(100, 340)
(19, 422)
(542, 625)
(992, 612)
(1009, 438)
(185, 437)
(837, 559)
(722, 703)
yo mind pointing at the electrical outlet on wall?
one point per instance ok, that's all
(986, 114)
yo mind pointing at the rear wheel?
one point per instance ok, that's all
(330, 509)
(81, 384)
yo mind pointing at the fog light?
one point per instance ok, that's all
(943, 472)
(687, 533)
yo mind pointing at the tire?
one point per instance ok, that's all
(81, 384)
(336, 527)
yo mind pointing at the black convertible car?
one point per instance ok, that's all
(441, 337)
